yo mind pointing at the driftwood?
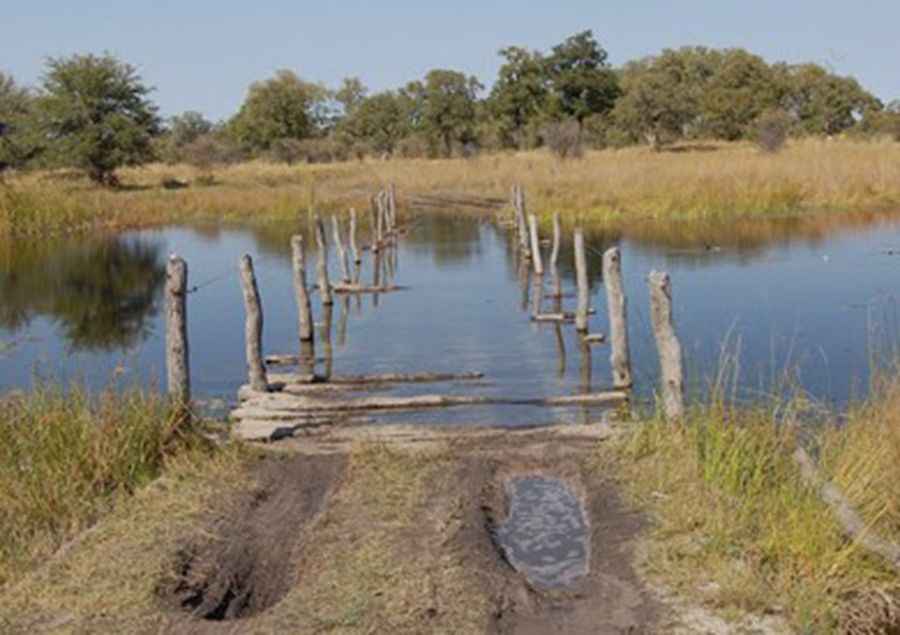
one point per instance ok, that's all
(253, 325)
(304, 309)
(178, 373)
(358, 288)
(322, 264)
(581, 276)
(553, 317)
(595, 338)
(342, 253)
(284, 406)
(535, 245)
(850, 521)
(670, 357)
(617, 304)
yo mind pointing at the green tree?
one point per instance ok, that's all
(743, 87)
(379, 121)
(17, 144)
(351, 94)
(188, 127)
(662, 95)
(447, 102)
(581, 81)
(95, 115)
(821, 102)
(283, 107)
(519, 95)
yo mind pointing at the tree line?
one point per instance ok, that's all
(94, 112)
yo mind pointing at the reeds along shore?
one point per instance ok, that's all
(617, 187)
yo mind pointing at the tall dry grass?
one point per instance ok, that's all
(718, 181)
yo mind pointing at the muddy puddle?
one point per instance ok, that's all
(546, 535)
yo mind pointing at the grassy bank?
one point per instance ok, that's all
(736, 529)
(618, 187)
(66, 459)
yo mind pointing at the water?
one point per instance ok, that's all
(815, 300)
(546, 534)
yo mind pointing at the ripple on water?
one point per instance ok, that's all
(546, 534)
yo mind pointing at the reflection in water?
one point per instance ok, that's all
(80, 304)
(102, 293)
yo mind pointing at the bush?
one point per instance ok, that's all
(210, 150)
(414, 147)
(770, 130)
(564, 139)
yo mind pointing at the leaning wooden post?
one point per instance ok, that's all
(342, 253)
(581, 276)
(304, 309)
(670, 358)
(354, 248)
(253, 326)
(535, 245)
(617, 305)
(178, 371)
(322, 263)
(373, 210)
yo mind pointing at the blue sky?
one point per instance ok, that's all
(202, 55)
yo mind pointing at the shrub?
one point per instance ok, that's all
(770, 130)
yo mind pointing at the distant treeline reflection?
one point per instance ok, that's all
(102, 293)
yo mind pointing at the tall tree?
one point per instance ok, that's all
(379, 121)
(743, 87)
(282, 107)
(582, 82)
(351, 94)
(447, 100)
(95, 115)
(822, 102)
(519, 95)
(17, 145)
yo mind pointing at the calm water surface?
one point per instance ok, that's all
(89, 309)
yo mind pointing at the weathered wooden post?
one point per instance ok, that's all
(253, 326)
(304, 308)
(581, 277)
(617, 304)
(392, 205)
(537, 300)
(561, 348)
(322, 264)
(354, 248)
(521, 223)
(380, 229)
(670, 357)
(342, 253)
(178, 370)
(554, 255)
(535, 245)
(376, 239)
(327, 348)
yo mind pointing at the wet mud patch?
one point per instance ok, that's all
(546, 533)
(245, 560)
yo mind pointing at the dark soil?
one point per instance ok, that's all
(245, 560)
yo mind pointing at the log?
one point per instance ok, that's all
(322, 263)
(382, 378)
(358, 288)
(304, 308)
(670, 357)
(617, 304)
(581, 276)
(553, 317)
(253, 325)
(850, 521)
(342, 253)
(354, 248)
(277, 406)
(535, 245)
(178, 370)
